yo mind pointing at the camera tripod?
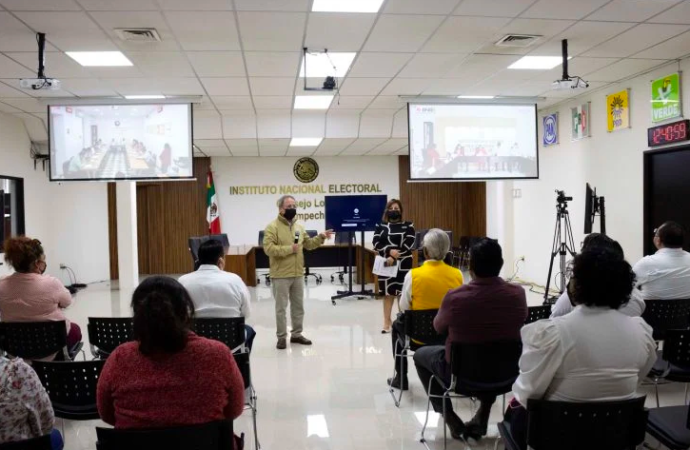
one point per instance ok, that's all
(563, 244)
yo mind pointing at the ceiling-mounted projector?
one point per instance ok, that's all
(567, 82)
(41, 81)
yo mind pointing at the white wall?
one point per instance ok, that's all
(70, 219)
(611, 162)
(242, 216)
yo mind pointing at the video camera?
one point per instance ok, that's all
(562, 197)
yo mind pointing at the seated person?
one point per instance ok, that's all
(423, 288)
(487, 309)
(168, 376)
(25, 409)
(593, 354)
(30, 296)
(665, 275)
(633, 308)
(217, 293)
(76, 162)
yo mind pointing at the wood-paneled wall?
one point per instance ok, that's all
(460, 207)
(168, 214)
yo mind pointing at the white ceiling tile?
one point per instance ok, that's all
(216, 151)
(400, 124)
(205, 114)
(491, 86)
(677, 14)
(431, 65)
(273, 64)
(526, 89)
(199, 5)
(387, 102)
(402, 152)
(401, 33)
(15, 36)
(462, 34)
(481, 66)
(119, 5)
(333, 146)
(515, 75)
(300, 151)
(376, 123)
(30, 105)
(10, 88)
(70, 31)
(272, 86)
(450, 86)
(8, 109)
(237, 125)
(338, 32)
(308, 124)
(116, 72)
(226, 86)
(273, 147)
(406, 86)
(543, 27)
(492, 8)
(207, 128)
(112, 20)
(243, 147)
(205, 30)
(232, 102)
(563, 9)
(87, 87)
(57, 65)
(363, 86)
(271, 125)
(217, 64)
(623, 69)
(389, 146)
(12, 69)
(636, 39)
(581, 37)
(40, 5)
(351, 102)
(362, 146)
(577, 66)
(272, 5)
(201, 143)
(204, 104)
(35, 127)
(442, 7)
(180, 86)
(273, 102)
(161, 64)
(631, 10)
(342, 124)
(676, 47)
(379, 64)
(264, 31)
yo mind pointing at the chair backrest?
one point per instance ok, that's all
(616, 425)
(39, 443)
(242, 360)
(344, 237)
(210, 436)
(33, 340)
(419, 325)
(312, 233)
(107, 333)
(485, 367)
(677, 348)
(228, 330)
(71, 387)
(535, 313)
(664, 315)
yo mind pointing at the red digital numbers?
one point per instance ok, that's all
(666, 134)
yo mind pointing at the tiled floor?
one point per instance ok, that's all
(330, 396)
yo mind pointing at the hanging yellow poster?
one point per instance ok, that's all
(618, 110)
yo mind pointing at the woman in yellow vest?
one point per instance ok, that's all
(423, 288)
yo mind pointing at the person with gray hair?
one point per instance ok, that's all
(284, 241)
(423, 288)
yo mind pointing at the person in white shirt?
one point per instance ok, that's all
(633, 308)
(217, 293)
(593, 354)
(665, 275)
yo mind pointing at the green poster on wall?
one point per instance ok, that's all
(666, 98)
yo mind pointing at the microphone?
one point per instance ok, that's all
(296, 237)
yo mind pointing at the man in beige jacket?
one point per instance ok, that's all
(284, 240)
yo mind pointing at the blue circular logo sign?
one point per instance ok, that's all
(550, 130)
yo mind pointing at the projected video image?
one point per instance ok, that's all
(120, 142)
(463, 141)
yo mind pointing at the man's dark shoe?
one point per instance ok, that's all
(395, 383)
(282, 344)
(475, 430)
(455, 425)
(300, 340)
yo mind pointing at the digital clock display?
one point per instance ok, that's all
(668, 134)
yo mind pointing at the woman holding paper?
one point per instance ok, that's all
(394, 239)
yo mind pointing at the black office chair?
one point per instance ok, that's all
(466, 242)
(39, 443)
(664, 315)
(343, 238)
(419, 326)
(209, 436)
(307, 273)
(35, 340)
(107, 333)
(574, 426)
(673, 363)
(267, 276)
(477, 370)
(71, 387)
(535, 313)
(670, 426)
(196, 241)
(231, 332)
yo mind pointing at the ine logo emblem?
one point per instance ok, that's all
(551, 129)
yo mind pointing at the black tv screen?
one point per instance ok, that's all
(354, 212)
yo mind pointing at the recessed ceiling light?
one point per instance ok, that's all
(353, 6)
(322, 64)
(143, 97)
(102, 59)
(305, 142)
(313, 101)
(537, 62)
(486, 97)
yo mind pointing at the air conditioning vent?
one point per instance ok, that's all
(138, 34)
(518, 40)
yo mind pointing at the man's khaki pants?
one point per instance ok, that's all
(289, 290)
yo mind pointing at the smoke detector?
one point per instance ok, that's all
(138, 34)
(518, 40)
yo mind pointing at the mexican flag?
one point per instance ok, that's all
(212, 213)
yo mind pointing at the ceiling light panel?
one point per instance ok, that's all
(351, 6)
(313, 101)
(537, 62)
(100, 59)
